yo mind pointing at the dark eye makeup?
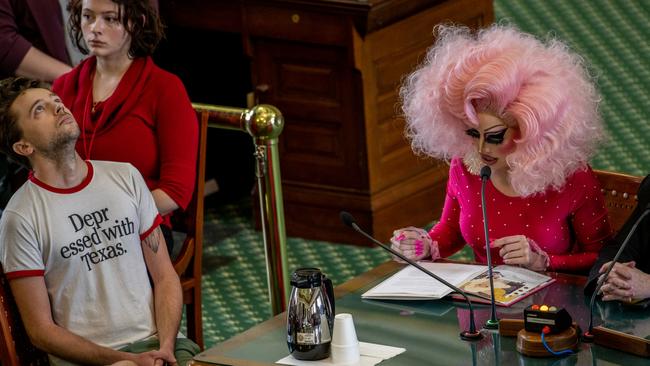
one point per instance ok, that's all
(494, 138)
(473, 133)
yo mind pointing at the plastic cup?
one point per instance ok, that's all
(345, 345)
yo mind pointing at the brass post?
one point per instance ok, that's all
(264, 123)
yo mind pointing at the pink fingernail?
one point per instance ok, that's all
(418, 247)
(401, 236)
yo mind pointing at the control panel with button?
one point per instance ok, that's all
(537, 317)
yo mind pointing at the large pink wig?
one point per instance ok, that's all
(540, 87)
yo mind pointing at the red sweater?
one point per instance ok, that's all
(571, 225)
(148, 121)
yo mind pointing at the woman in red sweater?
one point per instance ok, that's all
(129, 109)
(527, 109)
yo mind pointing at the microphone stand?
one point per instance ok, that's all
(588, 336)
(470, 335)
(493, 322)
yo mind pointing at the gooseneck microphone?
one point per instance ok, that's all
(588, 336)
(470, 335)
(493, 322)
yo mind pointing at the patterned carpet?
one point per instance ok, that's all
(611, 34)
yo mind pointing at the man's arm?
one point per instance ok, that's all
(33, 303)
(168, 296)
(39, 65)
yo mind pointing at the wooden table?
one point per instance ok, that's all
(429, 330)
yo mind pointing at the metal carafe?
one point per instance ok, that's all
(310, 315)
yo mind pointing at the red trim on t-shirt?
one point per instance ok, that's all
(157, 221)
(25, 273)
(79, 187)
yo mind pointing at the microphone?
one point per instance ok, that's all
(470, 335)
(493, 322)
(486, 172)
(588, 336)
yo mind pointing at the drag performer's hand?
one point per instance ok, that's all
(519, 250)
(414, 243)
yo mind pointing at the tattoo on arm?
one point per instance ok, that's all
(153, 240)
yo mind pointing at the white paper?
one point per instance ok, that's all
(411, 283)
(371, 354)
(378, 350)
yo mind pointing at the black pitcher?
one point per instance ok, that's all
(310, 315)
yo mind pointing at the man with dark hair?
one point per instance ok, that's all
(76, 243)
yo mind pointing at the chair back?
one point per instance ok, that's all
(188, 263)
(15, 347)
(620, 191)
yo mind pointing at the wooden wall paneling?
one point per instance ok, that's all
(333, 67)
(405, 189)
(322, 147)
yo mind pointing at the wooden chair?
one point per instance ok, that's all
(188, 263)
(15, 346)
(620, 195)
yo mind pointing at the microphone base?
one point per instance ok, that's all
(491, 324)
(587, 337)
(469, 336)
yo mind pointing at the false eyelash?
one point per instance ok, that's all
(496, 138)
(473, 133)
(493, 138)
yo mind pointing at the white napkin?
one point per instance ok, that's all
(371, 354)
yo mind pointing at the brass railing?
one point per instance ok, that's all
(264, 123)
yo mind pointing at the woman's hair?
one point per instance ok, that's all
(140, 19)
(10, 89)
(540, 87)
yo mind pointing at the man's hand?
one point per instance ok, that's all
(625, 282)
(517, 250)
(167, 357)
(414, 243)
(149, 358)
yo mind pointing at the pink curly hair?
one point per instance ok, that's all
(541, 87)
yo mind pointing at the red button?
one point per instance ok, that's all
(535, 307)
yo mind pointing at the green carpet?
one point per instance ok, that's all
(611, 35)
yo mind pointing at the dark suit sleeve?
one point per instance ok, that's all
(638, 249)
